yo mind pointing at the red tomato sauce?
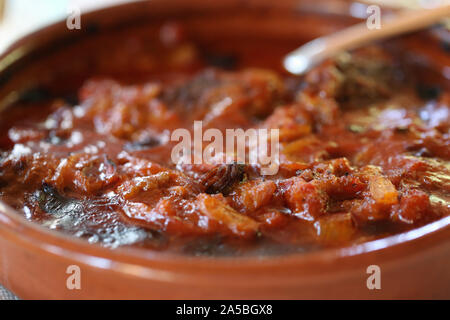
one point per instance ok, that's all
(364, 147)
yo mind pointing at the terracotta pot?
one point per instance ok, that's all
(34, 260)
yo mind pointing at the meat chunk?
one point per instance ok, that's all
(222, 178)
(382, 190)
(305, 199)
(335, 229)
(85, 173)
(236, 223)
(252, 195)
(413, 207)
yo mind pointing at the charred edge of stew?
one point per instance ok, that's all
(71, 99)
(35, 94)
(223, 61)
(147, 143)
(428, 92)
(222, 178)
(206, 246)
(52, 202)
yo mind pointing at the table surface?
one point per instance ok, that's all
(21, 17)
(6, 295)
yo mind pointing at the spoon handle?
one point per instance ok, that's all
(313, 52)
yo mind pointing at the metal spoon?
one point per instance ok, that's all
(309, 55)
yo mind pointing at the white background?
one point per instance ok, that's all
(23, 16)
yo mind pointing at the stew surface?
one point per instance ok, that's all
(364, 147)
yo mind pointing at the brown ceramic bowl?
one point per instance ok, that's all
(34, 260)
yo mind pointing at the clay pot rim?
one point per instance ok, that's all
(59, 243)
